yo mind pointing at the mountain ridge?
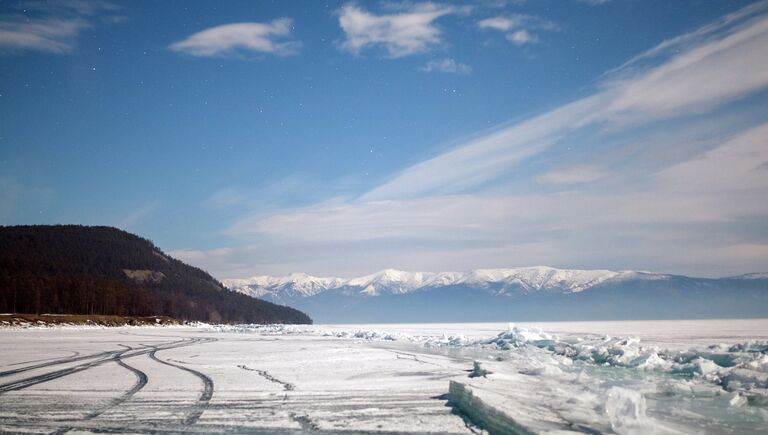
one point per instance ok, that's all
(505, 294)
(400, 282)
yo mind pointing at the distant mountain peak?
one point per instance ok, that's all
(760, 275)
(524, 280)
(519, 293)
(394, 281)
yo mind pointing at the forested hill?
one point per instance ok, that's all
(73, 269)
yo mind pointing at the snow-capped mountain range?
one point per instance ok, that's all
(515, 294)
(527, 279)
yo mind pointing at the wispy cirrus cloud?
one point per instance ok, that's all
(539, 191)
(49, 27)
(702, 77)
(487, 156)
(51, 35)
(227, 197)
(573, 175)
(680, 220)
(446, 65)
(680, 85)
(137, 216)
(694, 191)
(410, 31)
(231, 39)
(15, 197)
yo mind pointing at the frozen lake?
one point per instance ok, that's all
(708, 376)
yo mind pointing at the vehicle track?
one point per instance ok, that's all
(74, 354)
(118, 356)
(107, 357)
(141, 381)
(59, 361)
(74, 358)
(34, 380)
(205, 395)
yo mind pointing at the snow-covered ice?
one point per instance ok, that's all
(708, 376)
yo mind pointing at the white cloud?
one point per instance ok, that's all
(518, 28)
(446, 65)
(503, 24)
(486, 157)
(689, 82)
(52, 35)
(666, 227)
(457, 210)
(738, 165)
(223, 262)
(723, 185)
(230, 39)
(51, 27)
(521, 37)
(573, 175)
(408, 32)
(685, 220)
(136, 217)
(699, 78)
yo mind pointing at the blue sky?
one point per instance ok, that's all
(340, 138)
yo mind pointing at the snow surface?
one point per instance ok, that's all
(609, 377)
(530, 279)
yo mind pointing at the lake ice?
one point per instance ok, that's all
(706, 376)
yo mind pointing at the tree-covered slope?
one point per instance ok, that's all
(73, 269)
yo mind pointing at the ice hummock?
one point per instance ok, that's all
(593, 381)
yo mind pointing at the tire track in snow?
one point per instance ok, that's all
(77, 357)
(205, 395)
(35, 380)
(74, 354)
(141, 381)
(58, 362)
(118, 357)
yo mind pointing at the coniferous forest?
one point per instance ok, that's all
(74, 269)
